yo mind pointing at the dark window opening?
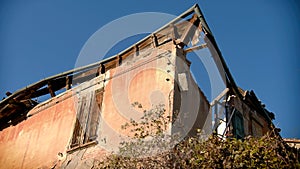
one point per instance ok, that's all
(238, 125)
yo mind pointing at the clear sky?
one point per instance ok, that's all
(259, 39)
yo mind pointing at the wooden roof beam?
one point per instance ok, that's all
(190, 30)
(51, 91)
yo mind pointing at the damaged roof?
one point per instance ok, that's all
(15, 107)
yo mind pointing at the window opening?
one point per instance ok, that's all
(87, 120)
(238, 125)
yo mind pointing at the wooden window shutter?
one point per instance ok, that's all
(87, 119)
(94, 117)
(78, 129)
(238, 125)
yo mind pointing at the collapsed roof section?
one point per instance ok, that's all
(180, 30)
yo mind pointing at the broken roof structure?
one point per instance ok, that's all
(84, 114)
(15, 107)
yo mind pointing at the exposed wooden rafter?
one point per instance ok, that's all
(179, 30)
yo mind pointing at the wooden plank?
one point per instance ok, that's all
(184, 39)
(136, 50)
(219, 96)
(119, 62)
(174, 32)
(95, 115)
(154, 41)
(191, 49)
(52, 93)
(68, 82)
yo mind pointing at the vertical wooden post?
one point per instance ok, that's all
(174, 33)
(136, 50)
(119, 60)
(68, 83)
(154, 41)
(102, 68)
(52, 93)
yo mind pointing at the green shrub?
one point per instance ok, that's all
(269, 151)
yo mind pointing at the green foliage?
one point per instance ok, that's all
(149, 134)
(269, 151)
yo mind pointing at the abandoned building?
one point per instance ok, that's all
(87, 105)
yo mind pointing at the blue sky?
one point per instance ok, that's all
(259, 39)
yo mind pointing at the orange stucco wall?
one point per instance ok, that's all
(149, 83)
(37, 141)
(148, 78)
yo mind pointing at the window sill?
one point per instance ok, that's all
(86, 145)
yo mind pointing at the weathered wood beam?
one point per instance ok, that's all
(154, 41)
(51, 91)
(174, 32)
(81, 79)
(68, 82)
(136, 50)
(102, 69)
(191, 49)
(189, 31)
(119, 62)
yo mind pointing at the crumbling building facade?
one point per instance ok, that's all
(83, 123)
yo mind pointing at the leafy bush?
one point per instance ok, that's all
(269, 151)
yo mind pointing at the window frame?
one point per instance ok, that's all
(87, 121)
(238, 125)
